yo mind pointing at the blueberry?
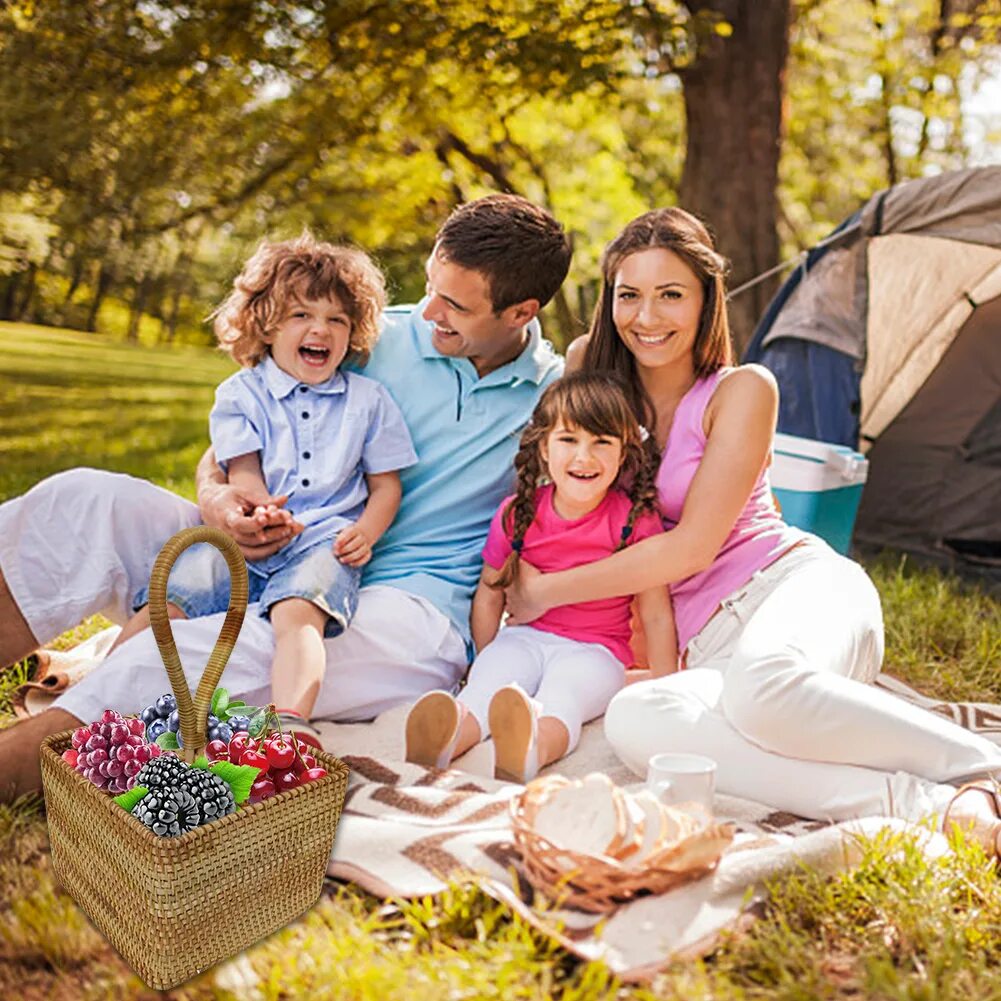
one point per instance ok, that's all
(238, 723)
(149, 714)
(213, 734)
(165, 705)
(225, 732)
(157, 727)
(174, 721)
(213, 721)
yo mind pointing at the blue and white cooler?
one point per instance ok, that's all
(818, 486)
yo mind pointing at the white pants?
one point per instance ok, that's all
(777, 690)
(573, 681)
(84, 542)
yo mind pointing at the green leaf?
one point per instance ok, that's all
(128, 800)
(220, 699)
(200, 762)
(239, 777)
(168, 741)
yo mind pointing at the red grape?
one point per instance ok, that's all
(81, 736)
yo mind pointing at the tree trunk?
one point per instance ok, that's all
(23, 308)
(11, 285)
(138, 307)
(101, 290)
(733, 94)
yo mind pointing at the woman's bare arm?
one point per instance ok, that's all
(741, 421)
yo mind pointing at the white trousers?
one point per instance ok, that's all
(777, 690)
(84, 541)
(573, 681)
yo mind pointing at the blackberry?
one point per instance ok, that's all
(168, 812)
(213, 796)
(164, 772)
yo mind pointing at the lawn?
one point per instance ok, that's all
(895, 927)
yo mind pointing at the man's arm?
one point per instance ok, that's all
(223, 505)
(353, 544)
(488, 607)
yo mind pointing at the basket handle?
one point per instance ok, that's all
(194, 713)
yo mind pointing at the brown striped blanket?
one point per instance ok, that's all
(409, 831)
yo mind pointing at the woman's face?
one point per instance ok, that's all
(656, 304)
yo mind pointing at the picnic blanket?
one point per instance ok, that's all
(408, 831)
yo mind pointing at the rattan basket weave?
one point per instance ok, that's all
(599, 883)
(174, 906)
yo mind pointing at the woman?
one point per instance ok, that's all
(781, 636)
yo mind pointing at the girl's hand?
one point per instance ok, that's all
(352, 546)
(523, 598)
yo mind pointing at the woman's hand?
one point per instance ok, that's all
(259, 526)
(524, 597)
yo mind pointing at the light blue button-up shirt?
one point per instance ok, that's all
(466, 432)
(316, 443)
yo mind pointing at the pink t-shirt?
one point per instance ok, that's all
(554, 543)
(759, 535)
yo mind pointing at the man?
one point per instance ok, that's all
(466, 368)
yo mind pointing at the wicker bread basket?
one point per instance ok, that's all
(599, 883)
(174, 906)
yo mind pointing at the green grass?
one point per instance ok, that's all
(898, 926)
(69, 399)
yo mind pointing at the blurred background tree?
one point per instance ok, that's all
(145, 147)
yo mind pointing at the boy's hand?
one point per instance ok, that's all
(259, 530)
(352, 546)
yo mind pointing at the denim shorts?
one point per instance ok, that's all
(199, 584)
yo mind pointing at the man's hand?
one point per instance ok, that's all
(259, 525)
(352, 546)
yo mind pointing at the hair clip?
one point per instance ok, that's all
(517, 544)
(644, 434)
(626, 532)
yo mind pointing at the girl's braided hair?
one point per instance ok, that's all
(597, 402)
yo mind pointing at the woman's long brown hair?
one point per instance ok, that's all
(680, 232)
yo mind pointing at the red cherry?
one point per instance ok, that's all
(263, 788)
(217, 750)
(255, 759)
(312, 773)
(286, 780)
(280, 754)
(238, 743)
(71, 755)
(303, 763)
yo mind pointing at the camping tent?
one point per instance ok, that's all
(888, 338)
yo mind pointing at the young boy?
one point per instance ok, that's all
(291, 423)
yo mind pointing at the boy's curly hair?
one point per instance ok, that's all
(598, 403)
(304, 268)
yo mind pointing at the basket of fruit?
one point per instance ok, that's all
(185, 857)
(592, 845)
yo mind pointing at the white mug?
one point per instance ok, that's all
(682, 778)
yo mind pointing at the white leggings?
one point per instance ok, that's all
(573, 681)
(777, 690)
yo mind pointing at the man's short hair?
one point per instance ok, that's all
(519, 247)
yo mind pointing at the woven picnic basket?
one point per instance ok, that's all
(174, 906)
(600, 883)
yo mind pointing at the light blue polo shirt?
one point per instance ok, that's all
(466, 432)
(316, 443)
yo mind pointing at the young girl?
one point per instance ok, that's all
(292, 424)
(532, 687)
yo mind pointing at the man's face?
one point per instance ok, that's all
(465, 324)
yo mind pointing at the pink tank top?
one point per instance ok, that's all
(758, 537)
